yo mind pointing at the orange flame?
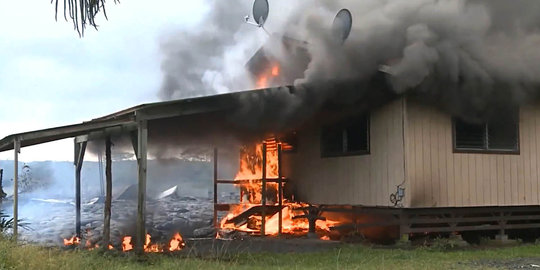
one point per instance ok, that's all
(73, 241)
(126, 244)
(267, 75)
(176, 243)
(262, 82)
(249, 181)
(149, 247)
(275, 70)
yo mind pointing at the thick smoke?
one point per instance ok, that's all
(209, 58)
(466, 54)
(462, 52)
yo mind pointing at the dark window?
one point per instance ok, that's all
(289, 142)
(500, 134)
(350, 137)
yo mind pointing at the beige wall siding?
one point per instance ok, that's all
(359, 180)
(438, 177)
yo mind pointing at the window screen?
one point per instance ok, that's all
(350, 137)
(497, 134)
(470, 136)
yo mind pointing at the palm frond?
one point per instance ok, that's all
(81, 12)
(6, 223)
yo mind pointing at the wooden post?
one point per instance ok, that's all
(16, 149)
(2, 193)
(80, 148)
(108, 194)
(280, 191)
(215, 186)
(263, 191)
(142, 143)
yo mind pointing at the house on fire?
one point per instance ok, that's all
(390, 155)
(389, 160)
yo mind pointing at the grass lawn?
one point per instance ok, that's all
(14, 256)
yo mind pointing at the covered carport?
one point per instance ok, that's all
(132, 122)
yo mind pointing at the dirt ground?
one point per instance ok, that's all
(521, 263)
(219, 247)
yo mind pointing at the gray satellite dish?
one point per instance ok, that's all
(260, 11)
(341, 28)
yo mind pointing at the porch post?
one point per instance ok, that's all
(263, 191)
(280, 190)
(17, 150)
(108, 194)
(80, 149)
(215, 186)
(142, 143)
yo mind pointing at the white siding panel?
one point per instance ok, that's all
(352, 180)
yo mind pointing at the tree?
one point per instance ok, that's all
(82, 12)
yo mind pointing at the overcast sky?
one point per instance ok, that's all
(50, 77)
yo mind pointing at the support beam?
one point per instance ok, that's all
(263, 191)
(215, 186)
(80, 149)
(108, 195)
(17, 150)
(142, 143)
(280, 190)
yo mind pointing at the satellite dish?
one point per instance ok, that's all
(341, 28)
(260, 11)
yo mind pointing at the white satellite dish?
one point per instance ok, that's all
(260, 13)
(341, 28)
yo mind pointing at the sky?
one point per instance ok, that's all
(49, 76)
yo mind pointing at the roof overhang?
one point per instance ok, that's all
(264, 100)
(126, 120)
(63, 132)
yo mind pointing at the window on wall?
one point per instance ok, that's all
(500, 134)
(346, 138)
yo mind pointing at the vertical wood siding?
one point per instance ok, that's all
(437, 177)
(358, 180)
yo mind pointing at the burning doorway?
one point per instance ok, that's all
(264, 207)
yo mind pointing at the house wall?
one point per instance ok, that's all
(437, 177)
(352, 180)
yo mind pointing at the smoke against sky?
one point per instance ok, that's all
(196, 59)
(210, 58)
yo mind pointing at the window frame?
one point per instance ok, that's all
(515, 151)
(343, 126)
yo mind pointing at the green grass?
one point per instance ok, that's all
(14, 256)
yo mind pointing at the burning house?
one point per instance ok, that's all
(383, 160)
(331, 157)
